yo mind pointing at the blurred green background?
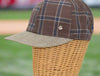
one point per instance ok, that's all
(16, 58)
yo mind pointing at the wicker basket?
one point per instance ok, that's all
(63, 60)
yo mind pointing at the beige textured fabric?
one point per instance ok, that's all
(37, 40)
(62, 60)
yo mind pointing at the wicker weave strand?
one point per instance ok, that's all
(63, 60)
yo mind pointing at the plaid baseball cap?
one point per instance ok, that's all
(55, 22)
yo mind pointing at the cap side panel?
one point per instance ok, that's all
(92, 19)
(87, 20)
(35, 29)
(32, 26)
(77, 19)
(33, 16)
(83, 17)
(36, 26)
(73, 22)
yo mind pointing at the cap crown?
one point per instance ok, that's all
(62, 18)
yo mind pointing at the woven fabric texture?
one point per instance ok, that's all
(62, 18)
(63, 60)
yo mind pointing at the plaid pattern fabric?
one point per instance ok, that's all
(74, 18)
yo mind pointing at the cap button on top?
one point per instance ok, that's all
(60, 27)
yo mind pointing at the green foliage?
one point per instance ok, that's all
(16, 58)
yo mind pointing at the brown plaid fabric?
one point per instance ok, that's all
(62, 18)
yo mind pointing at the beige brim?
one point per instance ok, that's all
(37, 40)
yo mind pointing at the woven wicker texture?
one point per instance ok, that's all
(63, 60)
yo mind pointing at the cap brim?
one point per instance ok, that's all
(37, 40)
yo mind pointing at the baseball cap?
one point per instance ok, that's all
(55, 22)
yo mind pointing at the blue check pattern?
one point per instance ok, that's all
(57, 19)
(77, 18)
(54, 19)
(87, 15)
(62, 3)
(81, 13)
(32, 20)
(66, 13)
(83, 31)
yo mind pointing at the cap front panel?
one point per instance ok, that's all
(52, 16)
(66, 11)
(65, 29)
(46, 28)
(51, 10)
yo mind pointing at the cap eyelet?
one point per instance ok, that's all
(60, 27)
